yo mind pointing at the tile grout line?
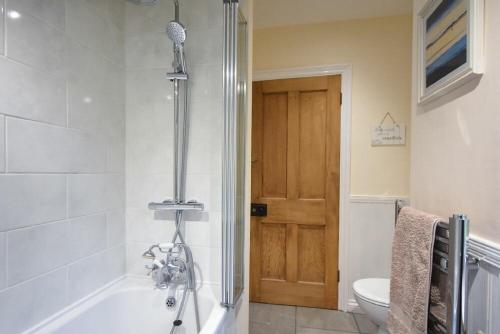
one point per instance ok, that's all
(296, 319)
(356, 322)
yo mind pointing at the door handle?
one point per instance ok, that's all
(258, 210)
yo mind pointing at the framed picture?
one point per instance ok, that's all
(450, 46)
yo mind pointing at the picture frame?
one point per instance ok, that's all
(450, 46)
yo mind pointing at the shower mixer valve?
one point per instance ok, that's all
(169, 271)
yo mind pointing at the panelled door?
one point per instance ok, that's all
(295, 171)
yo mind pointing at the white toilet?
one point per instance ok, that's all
(372, 295)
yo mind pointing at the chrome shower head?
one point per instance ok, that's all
(176, 32)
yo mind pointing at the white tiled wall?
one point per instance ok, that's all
(62, 154)
(150, 129)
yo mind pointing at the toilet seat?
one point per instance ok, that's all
(373, 290)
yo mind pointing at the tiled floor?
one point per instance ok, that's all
(278, 319)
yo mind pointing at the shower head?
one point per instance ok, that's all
(176, 32)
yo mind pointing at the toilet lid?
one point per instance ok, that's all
(375, 290)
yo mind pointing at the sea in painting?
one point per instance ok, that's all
(446, 40)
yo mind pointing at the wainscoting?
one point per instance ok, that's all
(484, 288)
(371, 227)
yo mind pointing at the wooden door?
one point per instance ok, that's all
(295, 171)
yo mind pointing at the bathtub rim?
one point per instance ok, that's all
(213, 322)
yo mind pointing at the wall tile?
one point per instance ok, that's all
(145, 155)
(29, 303)
(3, 261)
(211, 17)
(86, 236)
(135, 261)
(30, 94)
(142, 19)
(2, 35)
(86, 194)
(33, 42)
(208, 263)
(27, 200)
(90, 73)
(206, 82)
(91, 273)
(93, 112)
(86, 25)
(92, 193)
(115, 154)
(205, 233)
(151, 50)
(204, 53)
(115, 258)
(143, 189)
(149, 86)
(35, 147)
(142, 226)
(46, 245)
(87, 275)
(51, 12)
(116, 227)
(2, 144)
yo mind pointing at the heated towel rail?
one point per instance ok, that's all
(448, 300)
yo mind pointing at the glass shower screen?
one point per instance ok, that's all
(234, 153)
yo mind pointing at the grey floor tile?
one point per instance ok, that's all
(301, 330)
(326, 319)
(273, 328)
(365, 325)
(272, 314)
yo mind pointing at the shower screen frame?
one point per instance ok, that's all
(235, 83)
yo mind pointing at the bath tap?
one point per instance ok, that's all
(172, 270)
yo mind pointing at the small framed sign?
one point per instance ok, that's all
(389, 135)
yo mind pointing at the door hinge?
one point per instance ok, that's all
(341, 96)
(338, 276)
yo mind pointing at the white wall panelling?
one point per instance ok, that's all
(484, 285)
(62, 154)
(369, 241)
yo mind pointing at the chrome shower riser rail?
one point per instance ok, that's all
(176, 32)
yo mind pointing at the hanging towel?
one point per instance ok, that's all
(411, 272)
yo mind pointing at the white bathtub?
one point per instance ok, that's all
(132, 306)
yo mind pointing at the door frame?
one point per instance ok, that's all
(345, 71)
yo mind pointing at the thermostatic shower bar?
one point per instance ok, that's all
(173, 206)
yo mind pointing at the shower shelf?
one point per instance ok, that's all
(173, 206)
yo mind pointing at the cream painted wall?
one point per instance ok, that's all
(380, 53)
(455, 145)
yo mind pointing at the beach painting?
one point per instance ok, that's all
(450, 45)
(446, 40)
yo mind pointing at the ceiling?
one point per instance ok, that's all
(271, 13)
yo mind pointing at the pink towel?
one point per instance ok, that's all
(411, 272)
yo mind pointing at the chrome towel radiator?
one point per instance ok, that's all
(448, 299)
